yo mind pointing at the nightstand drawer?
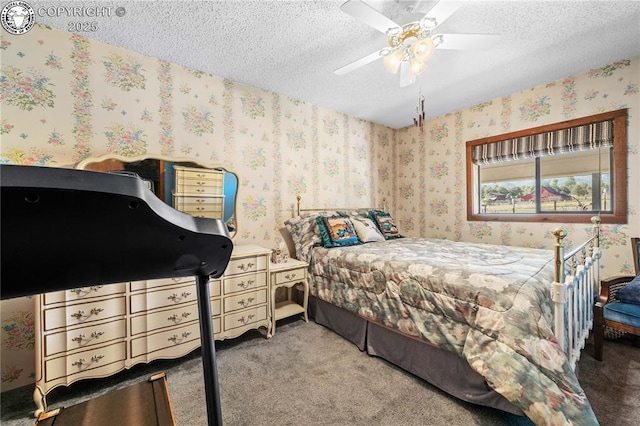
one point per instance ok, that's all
(245, 300)
(246, 317)
(84, 337)
(292, 275)
(245, 282)
(82, 313)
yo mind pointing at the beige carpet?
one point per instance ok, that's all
(308, 375)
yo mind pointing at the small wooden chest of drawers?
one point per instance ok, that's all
(199, 192)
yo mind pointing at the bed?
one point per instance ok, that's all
(493, 325)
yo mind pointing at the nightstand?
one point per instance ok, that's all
(288, 274)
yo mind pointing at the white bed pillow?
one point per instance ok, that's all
(367, 231)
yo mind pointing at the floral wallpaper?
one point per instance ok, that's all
(431, 184)
(66, 98)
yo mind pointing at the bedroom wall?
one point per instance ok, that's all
(66, 98)
(431, 181)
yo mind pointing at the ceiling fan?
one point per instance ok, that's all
(411, 44)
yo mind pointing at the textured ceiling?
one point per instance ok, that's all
(293, 47)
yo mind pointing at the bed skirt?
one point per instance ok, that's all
(444, 370)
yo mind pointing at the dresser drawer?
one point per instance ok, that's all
(84, 337)
(244, 282)
(82, 313)
(112, 355)
(245, 300)
(144, 285)
(161, 319)
(210, 215)
(163, 298)
(246, 264)
(198, 203)
(171, 338)
(292, 275)
(83, 293)
(193, 174)
(246, 317)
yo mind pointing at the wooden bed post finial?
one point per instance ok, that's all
(298, 198)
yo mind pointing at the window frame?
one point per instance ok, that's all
(618, 173)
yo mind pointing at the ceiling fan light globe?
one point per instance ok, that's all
(392, 61)
(416, 67)
(423, 49)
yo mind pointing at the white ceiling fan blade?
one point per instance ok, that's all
(368, 15)
(359, 63)
(466, 41)
(406, 78)
(443, 10)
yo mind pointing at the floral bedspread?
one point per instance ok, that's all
(489, 304)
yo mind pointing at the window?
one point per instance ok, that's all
(564, 172)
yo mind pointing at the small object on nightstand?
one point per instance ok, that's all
(287, 274)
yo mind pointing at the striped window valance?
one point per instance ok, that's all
(588, 136)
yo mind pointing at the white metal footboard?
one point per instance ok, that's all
(574, 290)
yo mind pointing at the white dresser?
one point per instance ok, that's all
(97, 331)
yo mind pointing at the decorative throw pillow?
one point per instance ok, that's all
(367, 231)
(386, 224)
(630, 293)
(304, 233)
(337, 231)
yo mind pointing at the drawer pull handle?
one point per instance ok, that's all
(246, 321)
(248, 284)
(80, 337)
(175, 298)
(247, 303)
(200, 190)
(174, 318)
(78, 314)
(175, 339)
(86, 290)
(79, 363)
(245, 268)
(290, 276)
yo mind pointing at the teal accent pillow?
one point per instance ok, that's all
(337, 231)
(386, 224)
(630, 293)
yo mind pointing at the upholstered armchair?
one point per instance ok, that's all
(618, 306)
